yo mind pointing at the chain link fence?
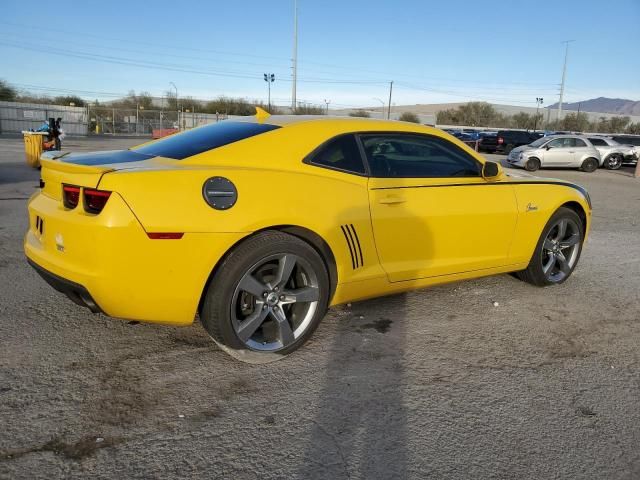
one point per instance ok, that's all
(99, 120)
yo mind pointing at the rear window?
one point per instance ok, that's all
(208, 137)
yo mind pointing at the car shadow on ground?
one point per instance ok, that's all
(360, 426)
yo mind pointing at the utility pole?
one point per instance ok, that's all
(390, 93)
(269, 78)
(564, 75)
(177, 107)
(295, 55)
(327, 102)
(539, 101)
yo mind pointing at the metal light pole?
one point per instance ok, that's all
(381, 108)
(539, 101)
(390, 92)
(327, 102)
(269, 78)
(295, 55)
(564, 75)
(177, 107)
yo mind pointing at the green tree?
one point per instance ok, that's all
(619, 124)
(409, 117)
(473, 114)
(68, 100)
(7, 92)
(307, 109)
(359, 113)
(575, 122)
(634, 128)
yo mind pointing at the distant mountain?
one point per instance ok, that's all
(618, 106)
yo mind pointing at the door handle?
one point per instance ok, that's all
(571, 151)
(392, 200)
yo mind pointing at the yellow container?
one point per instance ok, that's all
(33, 147)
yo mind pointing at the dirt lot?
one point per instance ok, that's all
(438, 383)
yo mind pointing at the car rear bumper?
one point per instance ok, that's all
(76, 292)
(108, 263)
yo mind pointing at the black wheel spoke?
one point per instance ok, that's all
(305, 294)
(250, 324)
(250, 285)
(285, 268)
(284, 329)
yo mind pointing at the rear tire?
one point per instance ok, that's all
(613, 161)
(589, 165)
(268, 295)
(557, 251)
(532, 164)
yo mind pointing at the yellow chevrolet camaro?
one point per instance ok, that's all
(259, 226)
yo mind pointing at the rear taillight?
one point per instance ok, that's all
(95, 200)
(70, 196)
(500, 140)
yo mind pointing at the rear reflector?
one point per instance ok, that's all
(500, 140)
(70, 196)
(165, 235)
(95, 200)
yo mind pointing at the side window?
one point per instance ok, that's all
(579, 142)
(598, 141)
(409, 156)
(557, 143)
(341, 153)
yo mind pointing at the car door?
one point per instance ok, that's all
(432, 212)
(560, 152)
(581, 150)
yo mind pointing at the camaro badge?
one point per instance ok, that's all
(59, 242)
(531, 207)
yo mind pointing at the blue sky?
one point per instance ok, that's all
(500, 51)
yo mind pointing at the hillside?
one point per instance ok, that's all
(618, 106)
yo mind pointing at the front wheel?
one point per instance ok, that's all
(557, 251)
(613, 161)
(268, 296)
(532, 165)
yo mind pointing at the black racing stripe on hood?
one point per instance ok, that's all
(105, 158)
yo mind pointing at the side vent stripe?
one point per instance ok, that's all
(346, 237)
(355, 253)
(355, 234)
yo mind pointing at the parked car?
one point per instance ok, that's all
(612, 153)
(569, 151)
(180, 228)
(507, 140)
(629, 141)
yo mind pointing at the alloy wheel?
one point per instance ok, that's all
(560, 250)
(274, 302)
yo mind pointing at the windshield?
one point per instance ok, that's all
(186, 144)
(541, 141)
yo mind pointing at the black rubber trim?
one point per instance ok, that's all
(351, 247)
(355, 234)
(580, 188)
(76, 292)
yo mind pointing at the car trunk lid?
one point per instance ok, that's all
(83, 169)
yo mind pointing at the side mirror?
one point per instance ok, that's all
(491, 170)
(548, 147)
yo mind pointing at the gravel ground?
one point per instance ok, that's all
(437, 383)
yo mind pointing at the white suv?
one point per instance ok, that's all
(568, 151)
